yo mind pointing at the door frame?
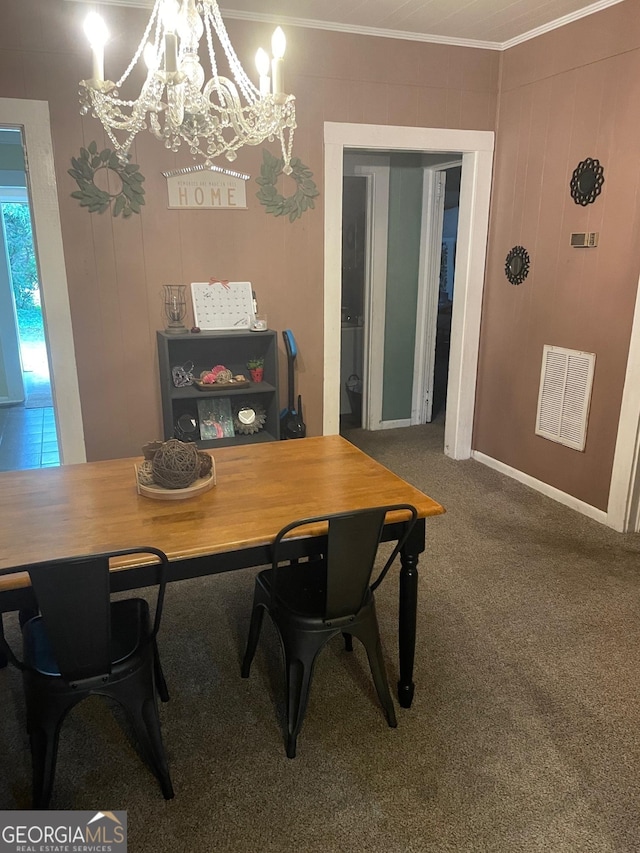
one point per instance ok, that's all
(433, 211)
(9, 338)
(476, 148)
(433, 189)
(374, 289)
(33, 118)
(623, 507)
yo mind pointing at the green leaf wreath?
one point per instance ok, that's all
(127, 201)
(295, 205)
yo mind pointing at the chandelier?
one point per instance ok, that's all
(175, 104)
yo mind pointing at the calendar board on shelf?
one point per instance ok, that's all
(222, 305)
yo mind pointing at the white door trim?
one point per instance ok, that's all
(375, 290)
(433, 186)
(33, 117)
(477, 150)
(11, 366)
(623, 509)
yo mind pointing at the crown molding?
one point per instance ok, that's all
(560, 22)
(352, 29)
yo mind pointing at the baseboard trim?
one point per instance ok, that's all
(403, 422)
(550, 491)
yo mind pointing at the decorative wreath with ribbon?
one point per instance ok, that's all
(85, 167)
(295, 205)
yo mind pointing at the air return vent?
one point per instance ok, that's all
(565, 394)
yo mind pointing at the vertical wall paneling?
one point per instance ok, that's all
(560, 102)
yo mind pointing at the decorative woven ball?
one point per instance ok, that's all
(224, 376)
(206, 464)
(145, 473)
(176, 464)
(150, 449)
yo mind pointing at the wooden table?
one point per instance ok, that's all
(50, 513)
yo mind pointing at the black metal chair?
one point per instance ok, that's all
(81, 643)
(311, 602)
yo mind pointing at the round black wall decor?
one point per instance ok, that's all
(516, 267)
(586, 181)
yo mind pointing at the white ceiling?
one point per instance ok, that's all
(496, 24)
(487, 23)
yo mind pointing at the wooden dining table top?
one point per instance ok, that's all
(56, 512)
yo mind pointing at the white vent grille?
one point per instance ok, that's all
(565, 394)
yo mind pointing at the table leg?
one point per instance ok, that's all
(407, 611)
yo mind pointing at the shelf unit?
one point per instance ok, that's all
(233, 350)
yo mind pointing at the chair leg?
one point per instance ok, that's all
(376, 662)
(143, 713)
(369, 635)
(298, 676)
(45, 715)
(44, 752)
(160, 764)
(255, 627)
(161, 684)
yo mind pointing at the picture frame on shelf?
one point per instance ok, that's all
(215, 418)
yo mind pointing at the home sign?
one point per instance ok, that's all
(206, 190)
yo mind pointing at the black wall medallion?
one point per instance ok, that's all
(517, 265)
(586, 182)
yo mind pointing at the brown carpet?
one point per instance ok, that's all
(524, 734)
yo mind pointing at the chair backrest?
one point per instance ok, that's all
(73, 597)
(349, 552)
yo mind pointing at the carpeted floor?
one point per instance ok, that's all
(524, 734)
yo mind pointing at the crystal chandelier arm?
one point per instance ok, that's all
(212, 16)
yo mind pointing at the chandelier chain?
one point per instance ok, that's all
(136, 56)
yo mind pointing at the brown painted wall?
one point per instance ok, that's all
(116, 268)
(567, 95)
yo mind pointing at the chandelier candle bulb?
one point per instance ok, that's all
(278, 47)
(170, 52)
(97, 33)
(277, 76)
(169, 19)
(262, 64)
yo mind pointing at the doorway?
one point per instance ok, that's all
(31, 118)
(399, 229)
(476, 148)
(28, 437)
